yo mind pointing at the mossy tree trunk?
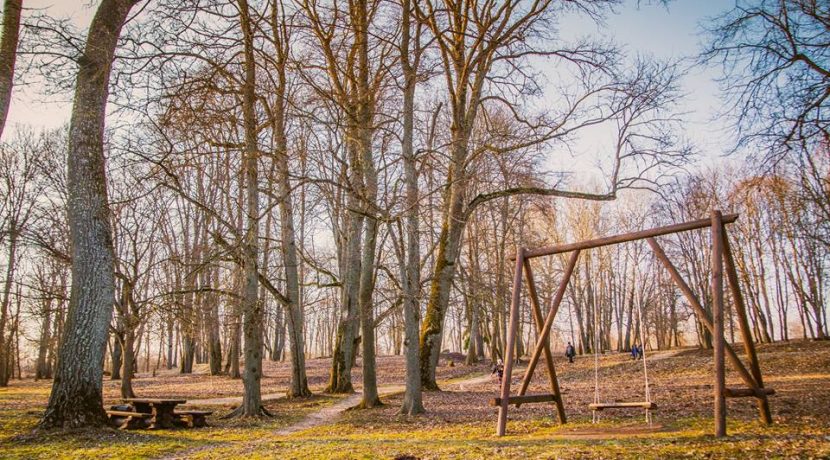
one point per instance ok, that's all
(449, 244)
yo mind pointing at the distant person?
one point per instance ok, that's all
(570, 352)
(498, 369)
(637, 352)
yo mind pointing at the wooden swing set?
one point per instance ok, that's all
(721, 259)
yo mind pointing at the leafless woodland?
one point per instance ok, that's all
(246, 180)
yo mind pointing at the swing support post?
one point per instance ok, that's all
(717, 312)
(722, 263)
(511, 343)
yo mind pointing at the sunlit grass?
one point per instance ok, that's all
(17, 439)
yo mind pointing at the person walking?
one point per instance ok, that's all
(570, 352)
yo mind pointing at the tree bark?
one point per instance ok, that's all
(288, 244)
(411, 276)
(214, 339)
(43, 369)
(251, 308)
(5, 305)
(76, 399)
(8, 55)
(128, 367)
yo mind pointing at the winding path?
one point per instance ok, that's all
(321, 417)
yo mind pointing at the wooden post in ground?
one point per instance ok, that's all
(717, 314)
(540, 322)
(746, 333)
(511, 342)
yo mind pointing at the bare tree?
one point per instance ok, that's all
(411, 52)
(76, 399)
(482, 44)
(774, 56)
(19, 188)
(288, 242)
(251, 308)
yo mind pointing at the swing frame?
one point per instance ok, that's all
(721, 259)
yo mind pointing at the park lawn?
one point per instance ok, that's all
(461, 424)
(17, 439)
(689, 438)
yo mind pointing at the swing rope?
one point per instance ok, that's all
(643, 352)
(597, 347)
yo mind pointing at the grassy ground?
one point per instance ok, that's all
(460, 424)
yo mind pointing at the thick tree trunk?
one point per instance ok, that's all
(214, 341)
(295, 316)
(8, 55)
(452, 228)
(188, 351)
(369, 195)
(448, 249)
(232, 364)
(251, 307)
(343, 356)
(411, 276)
(367, 320)
(76, 398)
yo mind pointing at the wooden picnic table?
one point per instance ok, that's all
(162, 410)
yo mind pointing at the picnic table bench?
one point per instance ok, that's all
(126, 419)
(197, 417)
(154, 413)
(161, 411)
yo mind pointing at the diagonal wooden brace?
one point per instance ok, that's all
(537, 317)
(544, 333)
(746, 335)
(702, 315)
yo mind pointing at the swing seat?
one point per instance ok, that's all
(623, 405)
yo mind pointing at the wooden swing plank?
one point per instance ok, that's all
(525, 399)
(623, 405)
(749, 392)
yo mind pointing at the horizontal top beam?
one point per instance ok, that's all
(625, 237)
